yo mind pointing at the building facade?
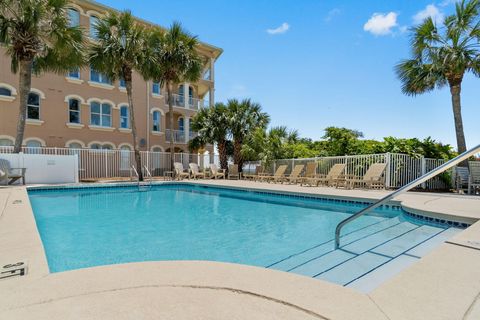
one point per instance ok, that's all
(84, 109)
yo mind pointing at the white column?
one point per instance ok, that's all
(212, 78)
(212, 69)
(186, 97)
(186, 125)
(212, 96)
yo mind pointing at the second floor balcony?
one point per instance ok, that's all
(191, 103)
(179, 136)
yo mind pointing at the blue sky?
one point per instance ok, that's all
(313, 64)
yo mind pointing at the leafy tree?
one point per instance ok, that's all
(342, 141)
(119, 50)
(212, 127)
(442, 55)
(176, 60)
(38, 38)
(244, 117)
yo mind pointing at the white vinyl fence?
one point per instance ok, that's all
(401, 168)
(45, 169)
(96, 164)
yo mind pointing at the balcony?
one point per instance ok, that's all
(179, 136)
(179, 102)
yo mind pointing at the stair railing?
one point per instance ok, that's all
(444, 167)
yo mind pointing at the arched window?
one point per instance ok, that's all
(181, 124)
(99, 77)
(5, 92)
(73, 17)
(99, 146)
(190, 95)
(100, 114)
(75, 145)
(156, 123)
(5, 142)
(157, 149)
(124, 118)
(33, 144)
(180, 95)
(33, 106)
(122, 83)
(93, 24)
(156, 88)
(74, 73)
(73, 111)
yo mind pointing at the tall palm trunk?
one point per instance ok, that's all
(455, 90)
(170, 121)
(237, 153)
(222, 151)
(131, 114)
(25, 85)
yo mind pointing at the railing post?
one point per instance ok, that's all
(424, 170)
(106, 163)
(388, 172)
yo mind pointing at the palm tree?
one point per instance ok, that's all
(176, 61)
(244, 117)
(270, 145)
(212, 127)
(442, 56)
(119, 50)
(38, 38)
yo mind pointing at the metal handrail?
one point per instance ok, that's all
(136, 173)
(148, 174)
(447, 165)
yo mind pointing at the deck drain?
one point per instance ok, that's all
(17, 202)
(11, 270)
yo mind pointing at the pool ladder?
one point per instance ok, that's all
(148, 176)
(444, 167)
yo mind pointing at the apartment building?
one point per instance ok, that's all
(84, 109)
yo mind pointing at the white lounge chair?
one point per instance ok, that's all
(217, 173)
(195, 171)
(11, 174)
(180, 172)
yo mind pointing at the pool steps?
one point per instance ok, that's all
(369, 256)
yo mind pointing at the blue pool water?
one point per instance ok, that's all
(98, 226)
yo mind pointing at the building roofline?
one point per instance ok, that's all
(214, 49)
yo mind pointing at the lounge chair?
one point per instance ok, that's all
(294, 176)
(216, 173)
(474, 178)
(373, 178)
(334, 176)
(258, 172)
(460, 178)
(311, 170)
(233, 172)
(11, 175)
(195, 171)
(278, 176)
(180, 172)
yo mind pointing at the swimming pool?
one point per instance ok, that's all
(89, 227)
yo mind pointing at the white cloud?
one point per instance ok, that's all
(446, 3)
(282, 29)
(332, 14)
(381, 24)
(430, 11)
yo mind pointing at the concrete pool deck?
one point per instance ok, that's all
(445, 284)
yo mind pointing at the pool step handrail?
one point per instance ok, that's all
(444, 167)
(134, 170)
(148, 175)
